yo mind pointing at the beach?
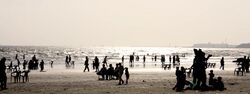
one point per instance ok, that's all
(148, 79)
(72, 81)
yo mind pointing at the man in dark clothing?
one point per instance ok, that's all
(97, 63)
(41, 65)
(127, 75)
(222, 63)
(120, 73)
(86, 64)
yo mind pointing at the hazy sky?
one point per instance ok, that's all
(123, 22)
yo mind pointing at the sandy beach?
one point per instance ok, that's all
(74, 81)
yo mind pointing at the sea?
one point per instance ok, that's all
(58, 54)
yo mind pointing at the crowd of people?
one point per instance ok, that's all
(199, 75)
(112, 73)
(108, 72)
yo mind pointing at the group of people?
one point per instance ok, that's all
(214, 84)
(68, 61)
(114, 73)
(245, 64)
(199, 75)
(33, 64)
(174, 59)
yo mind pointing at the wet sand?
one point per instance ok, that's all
(75, 81)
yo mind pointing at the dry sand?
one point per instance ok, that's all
(73, 81)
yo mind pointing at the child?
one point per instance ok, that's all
(211, 77)
(220, 84)
(127, 75)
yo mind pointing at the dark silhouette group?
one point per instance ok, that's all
(112, 73)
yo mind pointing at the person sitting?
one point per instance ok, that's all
(219, 85)
(102, 72)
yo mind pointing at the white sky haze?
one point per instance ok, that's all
(123, 22)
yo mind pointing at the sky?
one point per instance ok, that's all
(123, 22)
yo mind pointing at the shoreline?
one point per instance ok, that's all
(76, 81)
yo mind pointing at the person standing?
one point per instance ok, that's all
(122, 59)
(3, 77)
(170, 59)
(66, 61)
(120, 73)
(105, 61)
(41, 65)
(97, 64)
(86, 64)
(155, 58)
(51, 64)
(222, 63)
(127, 75)
(144, 59)
(24, 64)
(247, 64)
(69, 59)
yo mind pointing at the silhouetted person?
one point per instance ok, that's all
(174, 61)
(219, 85)
(137, 58)
(110, 72)
(181, 79)
(170, 59)
(51, 64)
(105, 61)
(3, 77)
(144, 59)
(177, 59)
(34, 58)
(122, 59)
(31, 65)
(244, 64)
(93, 65)
(116, 71)
(177, 77)
(247, 64)
(103, 72)
(97, 63)
(86, 63)
(41, 65)
(127, 75)
(36, 65)
(67, 61)
(199, 70)
(131, 59)
(222, 63)
(120, 73)
(211, 77)
(163, 60)
(24, 64)
(155, 58)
